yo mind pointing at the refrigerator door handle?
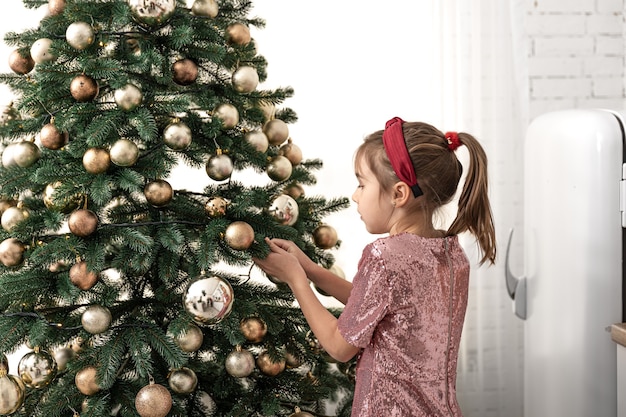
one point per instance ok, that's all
(516, 287)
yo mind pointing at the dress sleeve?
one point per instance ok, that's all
(369, 299)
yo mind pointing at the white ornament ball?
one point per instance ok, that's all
(79, 35)
(40, 51)
(128, 97)
(245, 79)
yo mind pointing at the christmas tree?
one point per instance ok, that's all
(132, 297)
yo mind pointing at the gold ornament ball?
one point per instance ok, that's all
(128, 97)
(84, 88)
(277, 132)
(245, 79)
(62, 356)
(6, 203)
(153, 400)
(294, 190)
(205, 8)
(40, 51)
(292, 360)
(267, 366)
(228, 114)
(124, 153)
(184, 71)
(96, 319)
(79, 35)
(11, 252)
(96, 160)
(158, 192)
(37, 369)
(177, 136)
(258, 140)
(219, 167)
(239, 235)
(82, 277)
(13, 393)
(11, 217)
(292, 152)
(21, 63)
(325, 236)
(191, 340)
(208, 300)
(279, 168)
(253, 329)
(52, 138)
(216, 207)
(86, 381)
(53, 202)
(239, 363)
(238, 34)
(56, 7)
(25, 153)
(300, 413)
(183, 381)
(83, 222)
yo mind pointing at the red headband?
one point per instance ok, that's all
(398, 154)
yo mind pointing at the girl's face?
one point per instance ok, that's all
(373, 203)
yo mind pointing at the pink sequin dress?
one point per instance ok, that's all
(406, 312)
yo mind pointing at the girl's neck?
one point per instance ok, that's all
(425, 230)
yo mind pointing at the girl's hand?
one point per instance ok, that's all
(281, 263)
(293, 249)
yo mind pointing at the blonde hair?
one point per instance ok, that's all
(438, 173)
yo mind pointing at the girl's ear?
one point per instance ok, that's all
(401, 194)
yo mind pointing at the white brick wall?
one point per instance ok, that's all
(576, 54)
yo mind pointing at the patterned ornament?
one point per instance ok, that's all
(216, 207)
(159, 192)
(239, 235)
(177, 136)
(82, 277)
(21, 63)
(238, 34)
(239, 363)
(153, 400)
(191, 339)
(152, 13)
(184, 71)
(79, 35)
(253, 329)
(96, 319)
(258, 140)
(96, 160)
(12, 392)
(285, 210)
(279, 168)
(37, 368)
(51, 137)
(83, 222)
(208, 300)
(245, 79)
(40, 51)
(219, 167)
(269, 367)
(292, 152)
(228, 114)
(124, 153)
(128, 97)
(86, 380)
(183, 381)
(277, 132)
(205, 8)
(84, 88)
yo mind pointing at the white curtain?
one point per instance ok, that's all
(481, 51)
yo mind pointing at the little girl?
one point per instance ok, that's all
(405, 307)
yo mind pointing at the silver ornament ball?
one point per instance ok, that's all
(205, 8)
(285, 210)
(128, 97)
(152, 13)
(208, 299)
(279, 168)
(219, 167)
(183, 381)
(37, 369)
(239, 363)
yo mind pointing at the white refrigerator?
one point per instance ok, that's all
(570, 291)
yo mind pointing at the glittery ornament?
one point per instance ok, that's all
(11, 217)
(11, 252)
(25, 153)
(158, 192)
(56, 7)
(84, 88)
(279, 168)
(285, 210)
(79, 35)
(269, 367)
(325, 236)
(86, 381)
(177, 136)
(183, 381)
(184, 71)
(216, 207)
(37, 369)
(128, 97)
(12, 392)
(82, 277)
(253, 329)
(208, 300)
(277, 132)
(258, 140)
(239, 235)
(245, 79)
(96, 319)
(96, 160)
(152, 13)
(40, 51)
(219, 167)
(21, 63)
(83, 222)
(191, 339)
(205, 8)
(238, 34)
(153, 400)
(51, 137)
(292, 152)
(124, 153)
(239, 363)
(228, 114)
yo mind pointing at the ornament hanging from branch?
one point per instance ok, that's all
(208, 300)
(152, 13)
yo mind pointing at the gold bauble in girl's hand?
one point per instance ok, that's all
(52, 138)
(325, 237)
(292, 152)
(37, 369)
(239, 363)
(13, 391)
(56, 7)
(205, 8)
(83, 222)
(276, 131)
(11, 252)
(153, 400)
(82, 277)
(219, 167)
(96, 160)
(84, 88)
(158, 192)
(40, 51)
(79, 35)
(253, 329)
(184, 71)
(21, 63)
(258, 140)
(239, 235)
(177, 136)
(96, 319)
(124, 153)
(128, 97)
(279, 168)
(245, 79)
(238, 34)
(269, 367)
(228, 114)
(152, 13)
(86, 381)
(183, 381)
